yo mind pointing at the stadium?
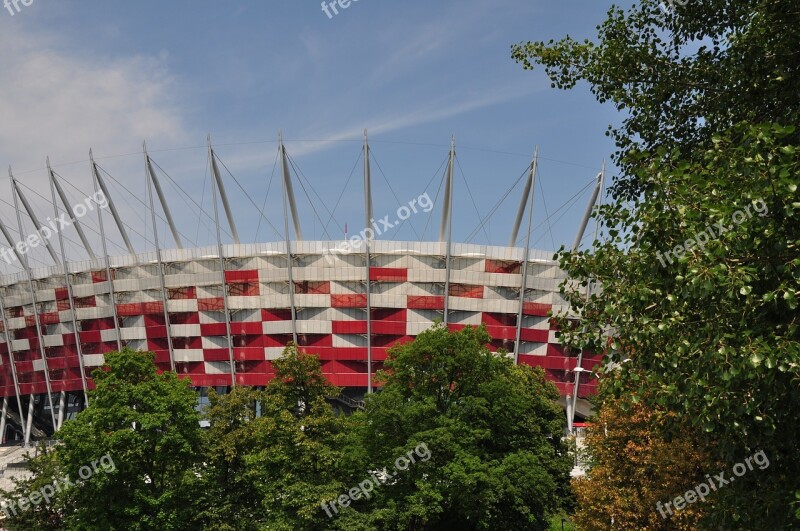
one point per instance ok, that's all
(218, 315)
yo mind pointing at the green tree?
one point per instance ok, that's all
(227, 490)
(47, 514)
(700, 272)
(313, 456)
(681, 71)
(492, 431)
(299, 381)
(146, 424)
(273, 457)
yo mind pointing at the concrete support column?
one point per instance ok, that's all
(3, 417)
(62, 399)
(29, 424)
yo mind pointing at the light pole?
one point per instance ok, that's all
(572, 404)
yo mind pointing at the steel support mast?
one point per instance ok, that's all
(24, 260)
(447, 227)
(573, 403)
(288, 196)
(117, 219)
(150, 180)
(109, 278)
(368, 233)
(71, 297)
(225, 304)
(162, 200)
(527, 198)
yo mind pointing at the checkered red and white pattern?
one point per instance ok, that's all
(407, 283)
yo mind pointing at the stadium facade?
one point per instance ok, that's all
(219, 315)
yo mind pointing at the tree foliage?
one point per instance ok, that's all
(700, 272)
(146, 422)
(272, 458)
(682, 72)
(46, 471)
(635, 467)
(493, 431)
(142, 428)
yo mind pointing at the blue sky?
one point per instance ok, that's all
(108, 75)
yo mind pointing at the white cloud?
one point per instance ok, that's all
(58, 103)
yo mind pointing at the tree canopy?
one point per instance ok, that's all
(699, 269)
(457, 436)
(493, 431)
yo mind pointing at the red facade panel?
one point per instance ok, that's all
(140, 308)
(535, 308)
(100, 276)
(309, 287)
(536, 336)
(425, 302)
(388, 274)
(276, 315)
(248, 354)
(243, 289)
(251, 328)
(466, 290)
(186, 293)
(349, 301)
(213, 329)
(349, 327)
(503, 266)
(247, 275)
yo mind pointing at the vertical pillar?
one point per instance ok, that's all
(62, 400)
(287, 183)
(368, 225)
(530, 188)
(218, 180)
(447, 218)
(34, 302)
(148, 176)
(109, 279)
(578, 367)
(29, 423)
(12, 362)
(73, 313)
(3, 417)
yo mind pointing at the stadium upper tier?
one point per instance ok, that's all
(328, 292)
